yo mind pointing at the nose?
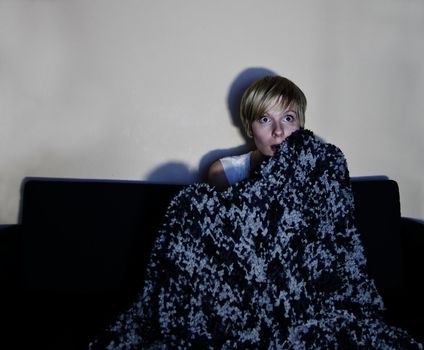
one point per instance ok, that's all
(278, 130)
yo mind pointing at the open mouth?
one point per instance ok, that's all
(274, 148)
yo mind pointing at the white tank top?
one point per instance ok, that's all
(236, 168)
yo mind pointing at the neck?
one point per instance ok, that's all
(256, 158)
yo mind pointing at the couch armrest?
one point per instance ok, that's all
(10, 236)
(412, 239)
(412, 235)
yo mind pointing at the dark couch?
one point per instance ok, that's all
(77, 256)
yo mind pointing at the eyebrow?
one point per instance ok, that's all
(292, 111)
(266, 114)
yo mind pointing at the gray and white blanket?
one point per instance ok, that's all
(274, 262)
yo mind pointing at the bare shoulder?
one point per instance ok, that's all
(216, 176)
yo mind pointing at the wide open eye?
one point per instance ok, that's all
(264, 119)
(289, 118)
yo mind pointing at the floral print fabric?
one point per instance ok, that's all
(274, 262)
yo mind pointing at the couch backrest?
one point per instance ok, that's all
(90, 236)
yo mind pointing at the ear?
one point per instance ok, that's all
(249, 132)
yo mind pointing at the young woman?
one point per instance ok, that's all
(271, 110)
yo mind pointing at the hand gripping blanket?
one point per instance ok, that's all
(274, 262)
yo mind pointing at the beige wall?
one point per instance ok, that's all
(139, 89)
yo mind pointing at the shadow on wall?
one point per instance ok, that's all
(237, 88)
(173, 173)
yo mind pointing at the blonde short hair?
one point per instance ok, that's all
(264, 93)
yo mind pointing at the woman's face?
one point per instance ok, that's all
(274, 127)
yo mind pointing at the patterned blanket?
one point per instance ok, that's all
(274, 262)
